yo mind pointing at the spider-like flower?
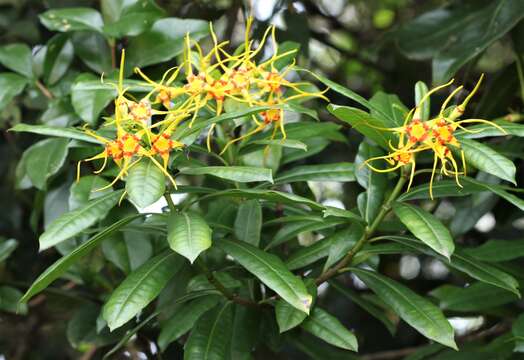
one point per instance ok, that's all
(436, 135)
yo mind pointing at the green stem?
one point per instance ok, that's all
(170, 202)
(368, 232)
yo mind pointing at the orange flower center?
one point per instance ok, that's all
(140, 111)
(162, 144)
(271, 115)
(128, 144)
(417, 131)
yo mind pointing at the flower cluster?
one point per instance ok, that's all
(436, 135)
(202, 82)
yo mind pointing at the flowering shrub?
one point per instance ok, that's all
(198, 194)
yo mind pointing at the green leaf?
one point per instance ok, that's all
(44, 159)
(271, 271)
(426, 227)
(364, 123)
(17, 57)
(393, 111)
(7, 247)
(331, 211)
(248, 222)
(454, 35)
(476, 297)
(376, 311)
(72, 19)
(233, 173)
(309, 254)
(58, 57)
(462, 262)
(488, 160)
(9, 300)
(326, 172)
(164, 40)
(327, 327)
(145, 183)
(418, 312)
(140, 288)
(10, 86)
(130, 17)
(421, 89)
(292, 230)
(85, 189)
(61, 265)
(73, 222)
(69, 133)
(518, 332)
(89, 97)
(188, 234)
(211, 335)
(184, 320)
(289, 317)
(270, 195)
(261, 144)
(375, 183)
(93, 50)
(497, 250)
(342, 242)
(480, 131)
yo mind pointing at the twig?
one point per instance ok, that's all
(47, 93)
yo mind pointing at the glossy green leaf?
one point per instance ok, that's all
(233, 173)
(246, 332)
(248, 222)
(310, 254)
(211, 335)
(93, 49)
(72, 19)
(342, 242)
(201, 282)
(379, 313)
(497, 250)
(140, 288)
(518, 332)
(188, 234)
(11, 85)
(463, 262)
(370, 201)
(480, 131)
(476, 297)
(488, 160)
(164, 40)
(61, 265)
(326, 172)
(128, 250)
(7, 246)
(73, 222)
(392, 110)
(271, 271)
(426, 227)
(362, 122)
(58, 57)
(130, 17)
(17, 57)
(145, 183)
(69, 133)
(331, 211)
(289, 317)
(89, 97)
(44, 159)
(418, 312)
(85, 189)
(9, 300)
(327, 327)
(184, 319)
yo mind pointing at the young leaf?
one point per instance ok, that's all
(326, 172)
(188, 234)
(184, 319)
(412, 308)
(89, 97)
(421, 89)
(288, 316)
(140, 288)
(6, 248)
(233, 173)
(211, 335)
(327, 327)
(426, 227)
(248, 222)
(68, 133)
(61, 265)
(73, 222)
(145, 183)
(44, 159)
(271, 271)
(84, 190)
(488, 160)
(58, 57)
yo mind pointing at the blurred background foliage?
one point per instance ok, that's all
(367, 45)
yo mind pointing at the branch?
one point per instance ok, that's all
(47, 93)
